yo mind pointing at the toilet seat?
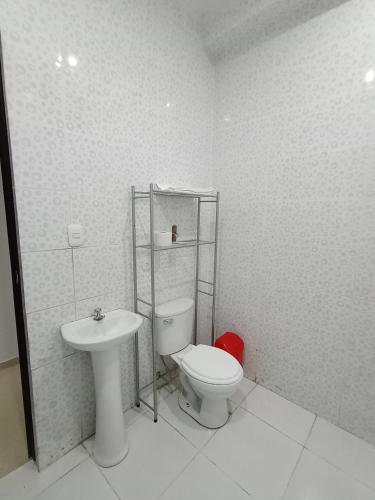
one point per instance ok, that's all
(211, 365)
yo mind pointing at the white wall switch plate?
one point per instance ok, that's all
(75, 235)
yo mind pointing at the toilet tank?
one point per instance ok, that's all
(174, 325)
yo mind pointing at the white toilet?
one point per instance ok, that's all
(208, 375)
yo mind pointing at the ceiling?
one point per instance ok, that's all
(230, 27)
(204, 13)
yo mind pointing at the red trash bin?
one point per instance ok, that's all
(232, 343)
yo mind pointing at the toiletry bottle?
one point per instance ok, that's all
(174, 233)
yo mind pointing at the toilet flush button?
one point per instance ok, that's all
(75, 235)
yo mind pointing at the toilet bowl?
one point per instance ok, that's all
(208, 375)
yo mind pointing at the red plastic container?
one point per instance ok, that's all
(232, 343)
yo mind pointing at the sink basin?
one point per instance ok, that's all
(89, 335)
(102, 339)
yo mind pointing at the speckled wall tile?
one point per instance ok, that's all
(108, 302)
(101, 95)
(48, 279)
(295, 153)
(45, 341)
(43, 216)
(57, 403)
(99, 270)
(87, 397)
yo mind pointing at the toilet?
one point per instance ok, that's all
(209, 376)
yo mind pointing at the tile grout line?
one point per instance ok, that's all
(272, 427)
(310, 431)
(73, 302)
(74, 284)
(202, 452)
(225, 473)
(196, 452)
(324, 459)
(83, 441)
(335, 466)
(98, 468)
(293, 472)
(246, 395)
(348, 432)
(178, 431)
(63, 475)
(55, 361)
(331, 463)
(213, 434)
(285, 435)
(278, 395)
(61, 249)
(179, 474)
(51, 307)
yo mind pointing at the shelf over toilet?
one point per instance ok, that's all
(178, 244)
(209, 196)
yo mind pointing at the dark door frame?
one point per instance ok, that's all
(15, 261)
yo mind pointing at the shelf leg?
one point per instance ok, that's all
(215, 270)
(135, 282)
(197, 272)
(153, 303)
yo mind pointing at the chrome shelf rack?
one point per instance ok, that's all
(198, 242)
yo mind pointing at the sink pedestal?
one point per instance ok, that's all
(111, 444)
(103, 339)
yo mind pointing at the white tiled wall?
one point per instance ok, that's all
(247, 23)
(295, 151)
(101, 95)
(105, 94)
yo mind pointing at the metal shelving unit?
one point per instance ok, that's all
(200, 199)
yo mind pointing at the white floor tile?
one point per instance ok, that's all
(132, 414)
(157, 455)
(345, 451)
(316, 479)
(163, 392)
(256, 456)
(85, 481)
(254, 460)
(243, 390)
(201, 480)
(285, 416)
(26, 482)
(170, 410)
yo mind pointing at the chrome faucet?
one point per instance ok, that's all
(98, 314)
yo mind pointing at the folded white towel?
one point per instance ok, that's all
(184, 189)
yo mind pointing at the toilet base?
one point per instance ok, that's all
(212, 414)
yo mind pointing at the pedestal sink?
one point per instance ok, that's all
(103, 338)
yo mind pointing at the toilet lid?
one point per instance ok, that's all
(211, 365)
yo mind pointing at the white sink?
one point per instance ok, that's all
(89, 335)
(103, 338)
